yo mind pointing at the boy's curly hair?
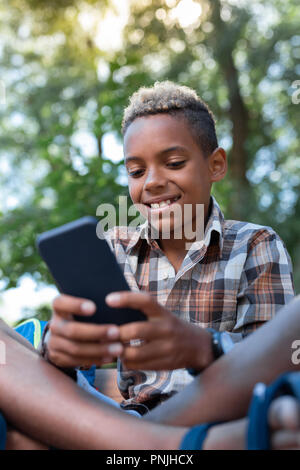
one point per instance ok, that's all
(169, 98)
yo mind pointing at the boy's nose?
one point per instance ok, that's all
(155, 180)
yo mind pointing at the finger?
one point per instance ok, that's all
(285, 440)
(136, 300)
(157, 353)
(83, 331)
(83, 350)
(147, 331)
(65, 305)
(284, 413)
(64, 360)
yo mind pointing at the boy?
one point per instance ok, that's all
(232, 280)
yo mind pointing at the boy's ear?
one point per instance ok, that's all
(217, 164)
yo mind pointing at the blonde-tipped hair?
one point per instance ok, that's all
(179, 101)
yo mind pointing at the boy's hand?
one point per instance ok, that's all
(167, 342)
(72, 343)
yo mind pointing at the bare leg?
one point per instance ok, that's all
(44, 404)
(18, 441)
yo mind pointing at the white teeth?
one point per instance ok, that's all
(166, 203)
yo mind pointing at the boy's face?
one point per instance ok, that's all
(165, 165)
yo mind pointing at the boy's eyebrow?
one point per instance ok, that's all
(129, 159)
(175, 148)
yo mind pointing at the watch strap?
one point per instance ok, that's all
(217, 349)
(216, 343)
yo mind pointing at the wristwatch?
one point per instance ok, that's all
(221, 343)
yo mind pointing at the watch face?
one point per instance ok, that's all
(226, 342)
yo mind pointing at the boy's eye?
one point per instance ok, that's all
(135, 173)
(176, 164)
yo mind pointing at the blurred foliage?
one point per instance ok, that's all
(241, 57)
(42, 312)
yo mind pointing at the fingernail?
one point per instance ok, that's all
(113, 332)
(115, 348)
(88, 307)
(113, 298)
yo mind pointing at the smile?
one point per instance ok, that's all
(162, 204)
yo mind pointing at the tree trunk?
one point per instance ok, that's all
(238, 113)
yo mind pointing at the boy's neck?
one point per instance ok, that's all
(176, 249)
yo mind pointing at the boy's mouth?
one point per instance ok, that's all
(161, 203)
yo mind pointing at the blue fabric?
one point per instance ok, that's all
(2, 432)
(258, 437)
(90, 374)
(28, 329)
(82, 382)
(194, 438)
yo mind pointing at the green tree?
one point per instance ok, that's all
(242, 58)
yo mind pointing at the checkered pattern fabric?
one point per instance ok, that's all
(234, 280)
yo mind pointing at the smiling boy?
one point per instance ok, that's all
(232, 280)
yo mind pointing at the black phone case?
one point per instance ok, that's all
(83, 265)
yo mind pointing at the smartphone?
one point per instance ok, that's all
(83, 265)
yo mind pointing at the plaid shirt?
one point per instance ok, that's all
(234, 280)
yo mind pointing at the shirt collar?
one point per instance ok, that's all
(214, 224)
